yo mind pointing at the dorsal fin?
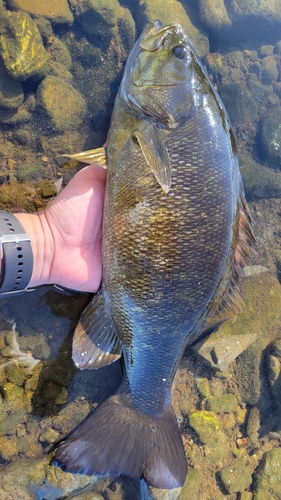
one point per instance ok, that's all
(233, 301)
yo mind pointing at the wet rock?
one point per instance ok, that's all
(253, 424)
(48, 190)
(15, 117)
(173, 10)
(8, 425)
(235, 477)
(13, 394)
(269, 70)
(58, 12)
(28, 172)
(30, 479)
(239, 102)
(191, 487)
(96, 16)
(266, 10)
(59, 71)
(49, 436)
(14, 374)
(273, 368)
(11, 92)
(21, 47)
(214, 14)
(206, 425)
(226, 403)
(270, 137)
(245, 495)
(60, 103)
(277, 48)
(259, 181)
(70, 416)
(266, 50)
(202, 385)
(59, 52)
(268, 476)
(262, 294)
(44, 27)
(8, 447)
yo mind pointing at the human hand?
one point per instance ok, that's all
(66, 236)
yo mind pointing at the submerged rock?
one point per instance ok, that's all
(173, 11)
(11, 92)
(59, 102)
(240, 104)
(235, 477)
(259, 181)
(96, 16)
(21, 47)
(54, 10)
(268, 476)
(270, 137)
(262, 294)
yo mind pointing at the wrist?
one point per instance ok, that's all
(42, 244)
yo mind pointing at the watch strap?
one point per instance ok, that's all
(16, 254)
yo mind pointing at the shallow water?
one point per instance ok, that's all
(40, 402)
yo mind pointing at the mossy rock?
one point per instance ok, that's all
(270, 137)
(259, 181)
(21, 47)
(54, 10)
(11, 91)
(268, 476)
(97, 17)
(173, 11)
(60, 103)
(239, 102)
(59, 52)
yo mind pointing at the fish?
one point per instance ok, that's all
(177, 233)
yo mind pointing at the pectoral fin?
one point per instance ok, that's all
(91, 156)
(155, 153)
(95, 341)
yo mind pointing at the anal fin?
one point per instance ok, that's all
(95, 341)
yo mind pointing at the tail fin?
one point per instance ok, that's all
(118, 438)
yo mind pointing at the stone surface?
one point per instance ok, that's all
(250, 372)
(96, 16)
(11, 92)
(268, 476)
(21, 47)
(259, 181)
(262, 294)
(239, 103)
(60, 103)
(54, 10)
(172, 10)
(59, 52)
(235, 477)
(214, 14)
(270, 138)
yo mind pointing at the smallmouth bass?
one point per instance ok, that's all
(176, 236)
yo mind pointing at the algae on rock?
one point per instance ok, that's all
(59, 102)
(21, 47)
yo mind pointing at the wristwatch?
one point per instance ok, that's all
(16, 256)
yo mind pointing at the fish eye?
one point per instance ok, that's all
(180, 52)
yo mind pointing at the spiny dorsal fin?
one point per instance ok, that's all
(95, 341)
(91, 156)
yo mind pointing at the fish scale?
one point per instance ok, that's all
(176, 235)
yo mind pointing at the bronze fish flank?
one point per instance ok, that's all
(177, 233)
